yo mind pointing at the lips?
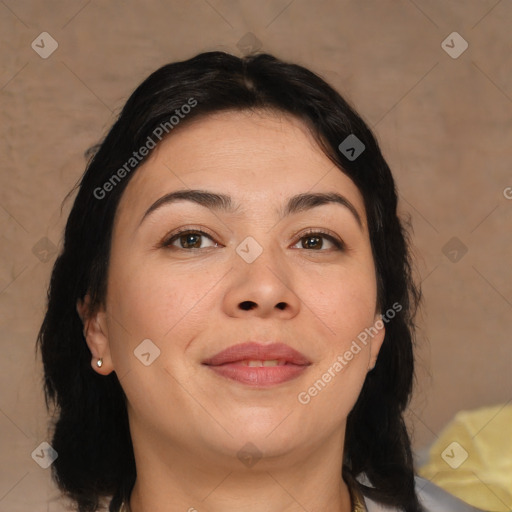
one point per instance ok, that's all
(253, 351)
(258, 365)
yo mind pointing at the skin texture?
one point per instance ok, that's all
(187, 423)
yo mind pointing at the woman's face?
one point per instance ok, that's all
(277, 252)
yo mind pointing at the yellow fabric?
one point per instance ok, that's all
(484, 478)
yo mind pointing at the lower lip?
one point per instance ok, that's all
(259, 376)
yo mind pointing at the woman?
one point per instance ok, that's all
(231, 321)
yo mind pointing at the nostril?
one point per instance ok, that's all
(247, 305)
(281, 305)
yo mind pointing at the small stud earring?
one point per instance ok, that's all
(99, 362)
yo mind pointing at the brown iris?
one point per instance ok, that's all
(190, 241)
(312, 242)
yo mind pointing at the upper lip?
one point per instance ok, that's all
(253, 351)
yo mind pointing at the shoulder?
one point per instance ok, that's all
(431, 496)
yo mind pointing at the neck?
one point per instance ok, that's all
(356, 499)
(179, 482)
(342, 503)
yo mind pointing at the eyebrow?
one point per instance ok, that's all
(211, 200)
(303, 202)
(221, 202)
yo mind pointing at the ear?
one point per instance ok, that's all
(376, 340)
(96, 335)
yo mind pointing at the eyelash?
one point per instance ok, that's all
(338, 244)
(167, 242)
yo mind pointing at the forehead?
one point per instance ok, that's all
(257, 156)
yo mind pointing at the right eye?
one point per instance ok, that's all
(190, 239)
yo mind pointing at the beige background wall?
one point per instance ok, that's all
(445, 126)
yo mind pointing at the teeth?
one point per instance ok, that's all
(272, 362)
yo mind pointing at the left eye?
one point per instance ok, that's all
(191, 240)
(318, 241)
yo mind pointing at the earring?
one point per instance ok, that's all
(99, 362)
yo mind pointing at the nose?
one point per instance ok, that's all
(261, 289)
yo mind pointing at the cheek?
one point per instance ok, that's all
(347, 309)
(343, 300)
(156, 302)
(151, 302)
